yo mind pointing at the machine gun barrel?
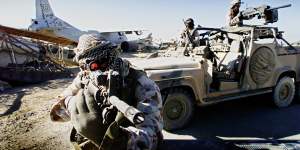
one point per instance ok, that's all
(131, 113)
(263, 12)
(279, 7)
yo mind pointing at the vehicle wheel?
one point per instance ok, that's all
(297, 93)
(178, 109)
(284, 92)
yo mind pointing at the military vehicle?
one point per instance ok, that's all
(225, 64)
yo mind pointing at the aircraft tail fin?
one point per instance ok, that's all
(43, 9)
(48, 23)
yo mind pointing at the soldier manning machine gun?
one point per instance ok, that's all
(266, 12)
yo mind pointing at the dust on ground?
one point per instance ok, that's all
(24, 118)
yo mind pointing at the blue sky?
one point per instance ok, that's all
(162, 17)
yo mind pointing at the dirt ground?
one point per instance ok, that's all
(25, 122)
(24, 118)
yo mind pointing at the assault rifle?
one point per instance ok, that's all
(132, 114)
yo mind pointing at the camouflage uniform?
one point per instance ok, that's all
(143, 136)
(189, 34)
(234, 18)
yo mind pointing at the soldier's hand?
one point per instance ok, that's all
(58, 110)
(115, 137)
(86, 117)
(115, 131)
(108, 114)
(186, 53)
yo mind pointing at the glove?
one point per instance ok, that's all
(116, 136)
(115, 130)
(109, 114)
(86, 117)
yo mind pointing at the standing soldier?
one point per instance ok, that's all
(234, 17)
(100, 125)
(189, 35)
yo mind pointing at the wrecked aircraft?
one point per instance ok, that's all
(24, 56)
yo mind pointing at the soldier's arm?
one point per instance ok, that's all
(59, 111)
(145, 135)
(183, 34)
(196, 36)
(235, 20)
(74, 87)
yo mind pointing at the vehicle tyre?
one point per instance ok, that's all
(284, 92)
(297, 93)
(178, 109)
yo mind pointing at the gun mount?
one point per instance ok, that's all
(266, 12)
